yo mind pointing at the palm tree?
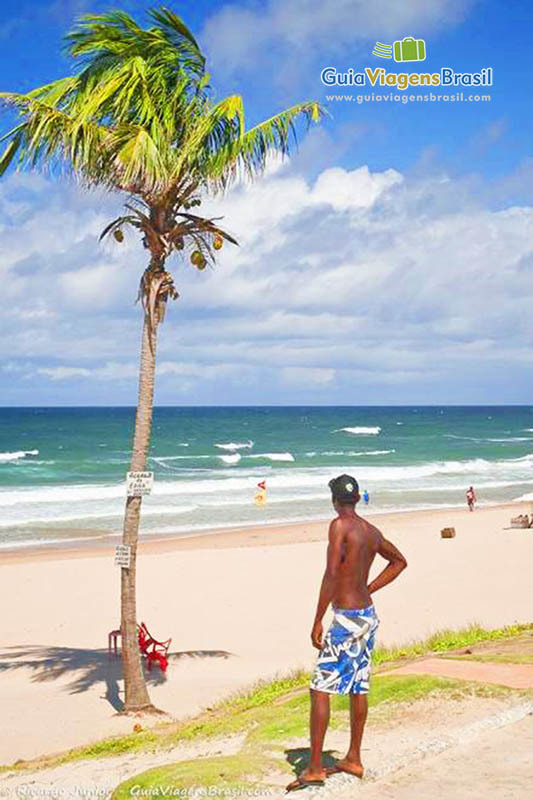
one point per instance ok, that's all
(138, 117)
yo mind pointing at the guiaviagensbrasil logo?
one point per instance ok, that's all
(404, 50)
(407, 49)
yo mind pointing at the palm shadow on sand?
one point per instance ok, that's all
(87, 667)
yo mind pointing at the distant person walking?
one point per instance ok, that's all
(471, 498)
(366, 497)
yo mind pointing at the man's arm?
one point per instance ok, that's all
(397, 563)
(327, 587)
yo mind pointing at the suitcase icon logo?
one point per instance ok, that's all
(409, 49)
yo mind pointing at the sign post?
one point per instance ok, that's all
(139, 484)
(123, 556)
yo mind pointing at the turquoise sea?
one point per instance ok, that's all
(62, 470)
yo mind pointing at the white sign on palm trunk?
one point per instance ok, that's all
(123, 556)
(139, 484)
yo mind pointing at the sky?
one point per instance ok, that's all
(387, 261)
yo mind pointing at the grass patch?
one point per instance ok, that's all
(291, 720)
(271, 727)
(242, 771)
(447, 639)
(237, 713)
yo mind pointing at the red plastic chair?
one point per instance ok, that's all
(112, 641)
(153, 650)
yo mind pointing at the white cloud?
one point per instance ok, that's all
(356, 285)
(344, 190)
(303, 377)
(95, 286)
(65, 373)
(281, 33)
(113, 371)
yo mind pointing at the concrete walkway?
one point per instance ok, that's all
(497, 765)
(515, 676)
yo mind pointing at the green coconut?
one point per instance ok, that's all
(198, 259)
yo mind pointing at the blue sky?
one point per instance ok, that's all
(388, 261)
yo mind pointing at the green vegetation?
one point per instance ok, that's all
(283, 703)
(273, 727)
(447, 639)
(242, 771)
(291, 718)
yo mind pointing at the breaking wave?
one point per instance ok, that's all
(236, 445)
(17, 455)
(525, 498)
(274, 456)
(234, 458)
(360, 431)
(355, 452)
(214, 482)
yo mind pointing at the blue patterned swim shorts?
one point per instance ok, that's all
(343, 665)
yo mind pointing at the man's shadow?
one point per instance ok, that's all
(298, 758)
(87, 668)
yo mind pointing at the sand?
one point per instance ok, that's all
(239, 607)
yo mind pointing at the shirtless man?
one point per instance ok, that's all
(343, 665)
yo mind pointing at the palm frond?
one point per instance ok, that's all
(249, 152)
(97, 38)
(207, 129)
(138, 116)
(205, 225)
(118, 223)
(49, 136)
(174, 28)
(9, 153)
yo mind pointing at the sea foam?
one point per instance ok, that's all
(525, 498)
(356, 452)
(215, 482)
(274, 456)
(231, 459)
(235, 445)
(17, 455)
(360, 431)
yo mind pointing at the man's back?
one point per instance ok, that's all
(360, 543)
(343, 666)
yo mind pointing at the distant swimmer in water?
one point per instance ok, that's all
(366, 497)
(471, 498)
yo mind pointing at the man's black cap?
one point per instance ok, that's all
(344, 488)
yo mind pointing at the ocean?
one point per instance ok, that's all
(62, 470)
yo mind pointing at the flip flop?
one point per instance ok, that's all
(303, 783)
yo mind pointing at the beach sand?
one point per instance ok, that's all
(239, 607)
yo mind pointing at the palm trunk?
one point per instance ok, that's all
(136, 693)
